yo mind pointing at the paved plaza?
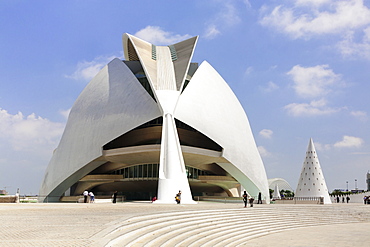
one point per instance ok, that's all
(204, 224)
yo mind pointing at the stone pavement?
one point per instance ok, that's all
(73, 224)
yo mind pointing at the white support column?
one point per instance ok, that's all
(172, 172)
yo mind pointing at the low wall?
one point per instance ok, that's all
(296, 202)
(98, 199)
(8, 199)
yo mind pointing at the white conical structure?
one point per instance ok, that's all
(312, 183)
(276, 194)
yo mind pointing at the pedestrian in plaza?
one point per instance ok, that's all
(114, 197)
(365, 199)
(347, 198)
(86, 194)
(251, 201)
(342, 199)
(245, 198)
(259, 201)
(178, 197)
(92, 197)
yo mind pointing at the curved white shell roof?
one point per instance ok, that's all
(282, 183)
(114, 102)
(209, 105)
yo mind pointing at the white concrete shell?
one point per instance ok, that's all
(282, 183)
(222, 118)
(111, 104)
(115, 103)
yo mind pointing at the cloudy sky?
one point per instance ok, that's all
(301, 70)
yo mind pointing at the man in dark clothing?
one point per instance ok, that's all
(259, 201)
(245, 198)
(115, 197)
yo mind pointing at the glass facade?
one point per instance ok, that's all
(150, 171)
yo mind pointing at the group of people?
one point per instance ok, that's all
(90, 197)
(347, 198)
(87, 195)
(251, 199)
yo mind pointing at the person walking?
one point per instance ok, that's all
(92, 197)
(114, 197)
(86, 194)
(245, 198)
(178, 197)
(251, 199)
(259, 201)
(347, 198)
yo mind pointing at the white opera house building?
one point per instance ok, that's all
(152, 125)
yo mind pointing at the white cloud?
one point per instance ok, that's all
(247, 3)
(313, 82)
(314, 108)
(263, 152)
(315, 3)
(86, 70)
(227, 17)
(359, 114)
(349, 142)
(29, 133)
(65, 113)
(321, 147)
(270, 87)
(298, 21)
(349, 47)
(211, 32)
(229, 14)
(266, 133)
(248, 70)
(157, 36)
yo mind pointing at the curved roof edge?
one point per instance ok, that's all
(225, 122)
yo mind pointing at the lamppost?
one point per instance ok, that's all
(355, 184)
(347, 185)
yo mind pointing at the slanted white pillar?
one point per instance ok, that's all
(172, 172)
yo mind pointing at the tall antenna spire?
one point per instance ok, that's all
(311, 182)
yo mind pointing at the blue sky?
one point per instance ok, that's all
(300, 69)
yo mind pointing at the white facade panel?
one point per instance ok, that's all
(111, 104)
(209, 105)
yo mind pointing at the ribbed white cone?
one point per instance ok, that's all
(311, 182)
(276, 194)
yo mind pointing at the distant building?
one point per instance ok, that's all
(311, 182)
(152, 125)
(3, 192)
(282, 184)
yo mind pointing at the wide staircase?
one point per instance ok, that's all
(227, 227)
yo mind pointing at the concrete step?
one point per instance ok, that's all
(139, 228)
(221, 227)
